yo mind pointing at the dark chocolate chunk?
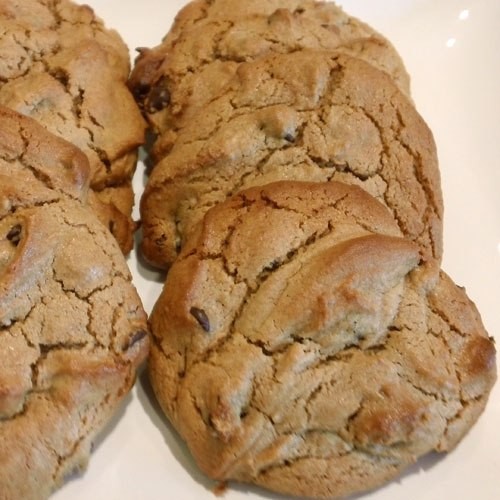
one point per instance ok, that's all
(14, 235)
(147, 66)
(159, 97)
(161, 240)
(289, 137)
(140, 91)
(136, 337)
(201, 316)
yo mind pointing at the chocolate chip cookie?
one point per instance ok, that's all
(301, 343)
(72, 328)
(309, 115)
(62, 67)
(210, 39)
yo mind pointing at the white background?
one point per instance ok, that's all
(451, 50)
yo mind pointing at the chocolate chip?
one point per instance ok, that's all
(159, 97)
(136, 337)
(161, 240)
(289, 137)
(14, 235)
(201, 316)
(140, 91)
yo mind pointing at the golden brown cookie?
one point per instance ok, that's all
(310, 115)
(300, 344)
(41, 167)
(62, 67)
(210, 39)
(72, 327)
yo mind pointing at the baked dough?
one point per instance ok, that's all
(300, 343)
(309, 115)
(210, 39)
(62, 67)
(72, 328)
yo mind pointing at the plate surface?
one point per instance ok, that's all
(450, 48)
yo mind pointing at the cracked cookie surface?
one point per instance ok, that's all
(38, 165)
(301, 344)
(310, 115)
(62, 67)
(210, 39)
(72, 327)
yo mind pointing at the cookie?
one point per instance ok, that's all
(301, 344)
(73, 331)
(62, 67)
(309, 115)
(209, 40)
(40, 167)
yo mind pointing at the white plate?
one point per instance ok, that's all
(450, 48)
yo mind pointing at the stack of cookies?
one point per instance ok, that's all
(306, 339)
(73, 331)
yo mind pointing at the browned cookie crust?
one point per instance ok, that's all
(61, 66)
(306, 116)
(39, 165)
(300, 344)
(210, 39)
(72, 328)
